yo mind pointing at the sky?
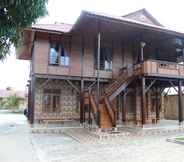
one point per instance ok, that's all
(15, 73)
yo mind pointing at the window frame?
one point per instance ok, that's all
(106, 44)
(62, 44)
(51, 93)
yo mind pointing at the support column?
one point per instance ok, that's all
(149, 117)
(157, 104)
(82, 112)
(89, 117)
(124, 110)
(98, 75)
(29, 102)
(32, 99)
(143, 105)
(82, 102)
(138, 105)
(180, 105)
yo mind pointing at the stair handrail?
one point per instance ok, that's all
(93, 103)
(111, 112)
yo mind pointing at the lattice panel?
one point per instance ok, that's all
(69, 107)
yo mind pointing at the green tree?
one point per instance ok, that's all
(12, 102)
(14, 16)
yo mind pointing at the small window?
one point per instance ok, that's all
(58, 55)
(105, 57)
(64, 57)
(51, 100)
(54, 54)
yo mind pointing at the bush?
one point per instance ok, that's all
(12, 102)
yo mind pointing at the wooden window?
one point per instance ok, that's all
(54, 54)
(64, 56)
(51, 100)
(105, 57)
(58, 54)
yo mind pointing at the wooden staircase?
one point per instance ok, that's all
(106, 112)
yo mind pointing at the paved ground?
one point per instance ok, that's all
(15, 140)
(56, 148)
(18, 145)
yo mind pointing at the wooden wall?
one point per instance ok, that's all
(41, 55)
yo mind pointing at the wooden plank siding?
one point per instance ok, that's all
(74, 49)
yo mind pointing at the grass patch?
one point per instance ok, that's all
(180, 138)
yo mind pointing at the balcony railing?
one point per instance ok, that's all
(163, 69)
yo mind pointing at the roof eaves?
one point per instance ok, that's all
(134, 23)
(44, 30)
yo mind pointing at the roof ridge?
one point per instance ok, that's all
(147, 13)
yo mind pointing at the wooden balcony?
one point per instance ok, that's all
(162, 69)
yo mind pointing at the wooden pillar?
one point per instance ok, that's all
(180, 105)
(124, 110)
(32, 99)
(143, 103)
(82, 82)
(157, 104)
(82, 102)
(29, 102)
(89, 117)
(138, 105)
(118, 106)
(98, 74)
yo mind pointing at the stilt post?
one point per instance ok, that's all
(157, 105)
(143, 107)
(180, 105)
(98, 75)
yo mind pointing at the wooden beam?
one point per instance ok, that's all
(143, 110)
(64, 77)
(173, 86)
(90, 86)
(180, 105)
(45, 83)
(167, 91)
(75, 87)
(151, 84)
